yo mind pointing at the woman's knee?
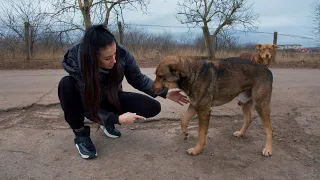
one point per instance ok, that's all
(66, 84)
(139, 103)
(155, 108)
(67, 88)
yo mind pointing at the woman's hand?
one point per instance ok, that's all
(177, 97)
(129, 118)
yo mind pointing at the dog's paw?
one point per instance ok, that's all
(267, 151)
(238, 134)
(185, 136)
(193, 151)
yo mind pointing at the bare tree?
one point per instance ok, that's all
(139, 38)
(81, 14)
(216, 13)
(13, 15)
(226, 40)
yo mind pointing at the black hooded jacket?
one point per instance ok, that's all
(128, 68)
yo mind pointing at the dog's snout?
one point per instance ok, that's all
(268, 55)
(156, 90)
(157, 86)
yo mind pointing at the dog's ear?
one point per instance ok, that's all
(275, 46)
(258, 46)
(176, 70)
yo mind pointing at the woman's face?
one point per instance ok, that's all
(107, 56)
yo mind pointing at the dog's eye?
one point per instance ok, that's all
(162, 77)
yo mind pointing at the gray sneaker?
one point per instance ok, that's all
(84, 144)
(110, 131)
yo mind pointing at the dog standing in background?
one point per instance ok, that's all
(265, 54)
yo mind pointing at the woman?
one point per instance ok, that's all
(93, 88)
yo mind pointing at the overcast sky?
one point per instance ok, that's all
(283, 16)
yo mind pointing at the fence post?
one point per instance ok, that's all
(275, 41)
(120, 32)
(275, 38)
(27, 40)
(31, 40)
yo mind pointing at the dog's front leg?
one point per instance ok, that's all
(204, 117)
(185, 119)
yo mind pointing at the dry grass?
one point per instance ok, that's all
(297, 59)
(51, 59)
(286, 59)
(150, 58)
(45, 59)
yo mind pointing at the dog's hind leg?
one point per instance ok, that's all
(264, 113)
(261, 99)
(247, 109)
(185, 119)
(204, 117)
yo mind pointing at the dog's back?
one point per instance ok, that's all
(244, 70)
(247, 55)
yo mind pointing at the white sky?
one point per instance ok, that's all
(283, 16)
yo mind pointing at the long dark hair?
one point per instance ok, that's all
(96, 37)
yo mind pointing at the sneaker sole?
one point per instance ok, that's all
(108, 134)
(86, 156)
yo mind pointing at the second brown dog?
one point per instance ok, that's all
(265, 54)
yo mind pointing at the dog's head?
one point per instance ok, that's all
(168, 73)
(266, 51)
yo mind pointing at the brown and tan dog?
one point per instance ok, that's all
(214, 83)
(265, 54)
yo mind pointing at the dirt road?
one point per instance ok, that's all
(36, 143)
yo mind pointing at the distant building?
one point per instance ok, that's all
(290, 46)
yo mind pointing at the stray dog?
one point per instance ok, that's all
(214, 83)
(265, 56)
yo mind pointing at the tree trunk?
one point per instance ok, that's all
(208, 41)
(106, 20)
(27, 40)
(120, 32)
(85, 10)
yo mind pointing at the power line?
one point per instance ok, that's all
(167, 26)
(257, 32)
(171, 26)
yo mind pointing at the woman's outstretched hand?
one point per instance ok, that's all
(177, 97)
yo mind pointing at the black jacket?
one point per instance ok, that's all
(128, 68)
